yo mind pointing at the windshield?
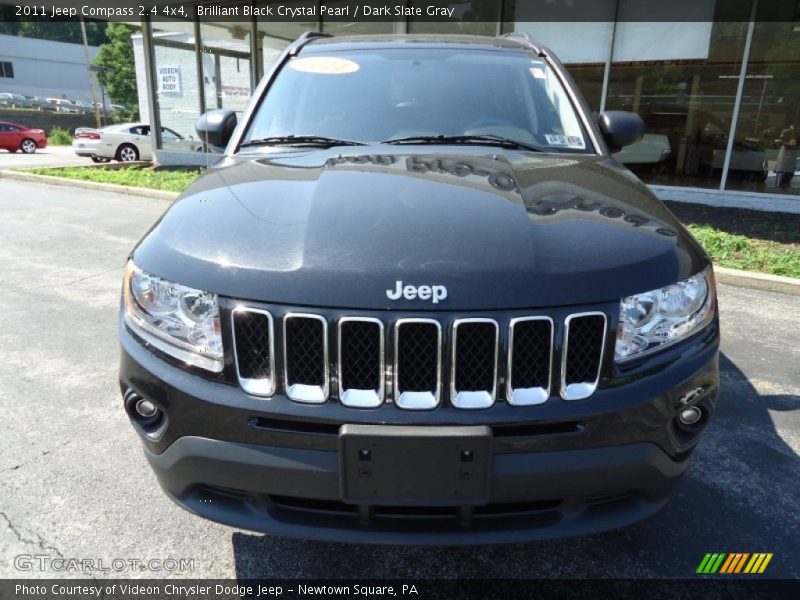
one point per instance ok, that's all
(378, 95)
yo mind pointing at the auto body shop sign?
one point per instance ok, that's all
(169, 80)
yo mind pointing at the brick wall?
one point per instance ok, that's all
(47, 120)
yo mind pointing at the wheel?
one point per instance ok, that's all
(97, 159)
(28, 146)
(127, 153)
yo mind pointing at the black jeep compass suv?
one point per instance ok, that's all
(418, 301)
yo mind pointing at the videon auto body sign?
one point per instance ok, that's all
(169, 80)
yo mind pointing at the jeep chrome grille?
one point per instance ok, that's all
(530, 360)
(421, 357)
(473, 382)
(305, 355)
(254, 350)
(580, 359)
(361, 362)
(417, 363)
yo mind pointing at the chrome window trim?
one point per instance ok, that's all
(529, 396)
(362, 398)
(304, 393)
(255, 387)
(472, 399)
(581, 390)
(417, 400)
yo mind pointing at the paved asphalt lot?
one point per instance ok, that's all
(74, 483)
(52, 156)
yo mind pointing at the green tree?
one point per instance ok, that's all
(118, 70)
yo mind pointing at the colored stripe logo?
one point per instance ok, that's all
(735, 562)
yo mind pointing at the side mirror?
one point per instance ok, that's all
(620, 129)
(216, 126)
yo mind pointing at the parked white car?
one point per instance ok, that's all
(127, 142)
(86, 141)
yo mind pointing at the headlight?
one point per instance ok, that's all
(180, 321)
(660, 317)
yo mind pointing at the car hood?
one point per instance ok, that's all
(497, 228)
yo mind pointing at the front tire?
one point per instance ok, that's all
(127, 153)
(28, 146)
(97, 159)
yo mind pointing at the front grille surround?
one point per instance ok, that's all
(580, 390)
(472, 399)
(257, 386)
(362, 398)
(529, 396)
(417, 399)
(305, 392)
(534, 357)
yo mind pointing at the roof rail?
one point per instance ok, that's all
(305, 38)
(525, 38)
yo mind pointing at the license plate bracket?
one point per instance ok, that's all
(415, 465)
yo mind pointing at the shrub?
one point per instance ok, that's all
(59, 136)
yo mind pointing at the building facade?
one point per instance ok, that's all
(720, 98)
(34, 67)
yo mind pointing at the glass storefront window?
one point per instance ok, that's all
(684, 87)
(767, 155)
(176, 85)
(478, 17)
(226, 65)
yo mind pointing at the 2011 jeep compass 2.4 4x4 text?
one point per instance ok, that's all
(418, 301)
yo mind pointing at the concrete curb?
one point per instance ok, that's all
(89, 185)
(758, 281)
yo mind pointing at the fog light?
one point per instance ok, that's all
(690, 416)
(146, 409)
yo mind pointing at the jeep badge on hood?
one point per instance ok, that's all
(436, 293)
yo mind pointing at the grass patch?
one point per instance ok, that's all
(742, 238)
(751, 254)
(59, 136)
(170, 180)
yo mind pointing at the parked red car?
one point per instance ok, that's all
(15, 137)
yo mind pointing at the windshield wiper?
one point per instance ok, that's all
(488, 139)
(299, 140)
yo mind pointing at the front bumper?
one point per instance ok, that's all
(557, 469)
(294, 492)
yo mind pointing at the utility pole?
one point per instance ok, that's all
(91, 75)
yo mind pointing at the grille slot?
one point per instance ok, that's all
(361, 361)
(584, 339)
(305, 354)
(254, 350)
(474, 363)
(418, 363)
(530, 360)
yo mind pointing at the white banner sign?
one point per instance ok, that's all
(169, 80)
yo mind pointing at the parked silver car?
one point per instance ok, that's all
(63, 105)
(128, 142)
